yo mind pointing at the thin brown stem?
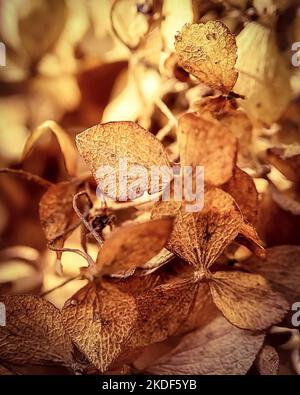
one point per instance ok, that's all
(28, 176)
(85, 255)
(82, 218)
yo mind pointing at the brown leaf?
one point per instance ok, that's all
(247, 300)
(281, 267)
(242, 188)
(99, 318)
(109, 143)
(218, 348)
(267, 361)
(34, 333)
(66, 144)
(200, 237)
(205, 141)
(287, 160)
(129, 247)
(209, 52)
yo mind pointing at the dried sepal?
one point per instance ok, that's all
(247, 300)
(267, 361)
(242, 188)
(205, 141)
(109, 148)
(168, 309)
(202, 309)
(263, 74)
(209, 52)
(99, 318)
(66, 144)
(281, 268)
(249, 238)
(227, 112)
(200, 237)
(129, 247)
(112, 322)
(218, 348)
(56, 212)
(162, 310)
(34, 333)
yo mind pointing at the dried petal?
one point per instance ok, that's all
(247, 300)
(34, 333)
(205, 141)
(99, 318)
(238, 122)
(66, 145)
(218, 348)
(267, 361)
(55, 211)
(263, 74)
(208, 51)
(169, 309)
(281, 267)
(242, 188)
(109, 148)
(164, 310)
(249, 238)
(200, 237)
(129, 247)
(232, 117)
(161, 312)
(202, 310)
